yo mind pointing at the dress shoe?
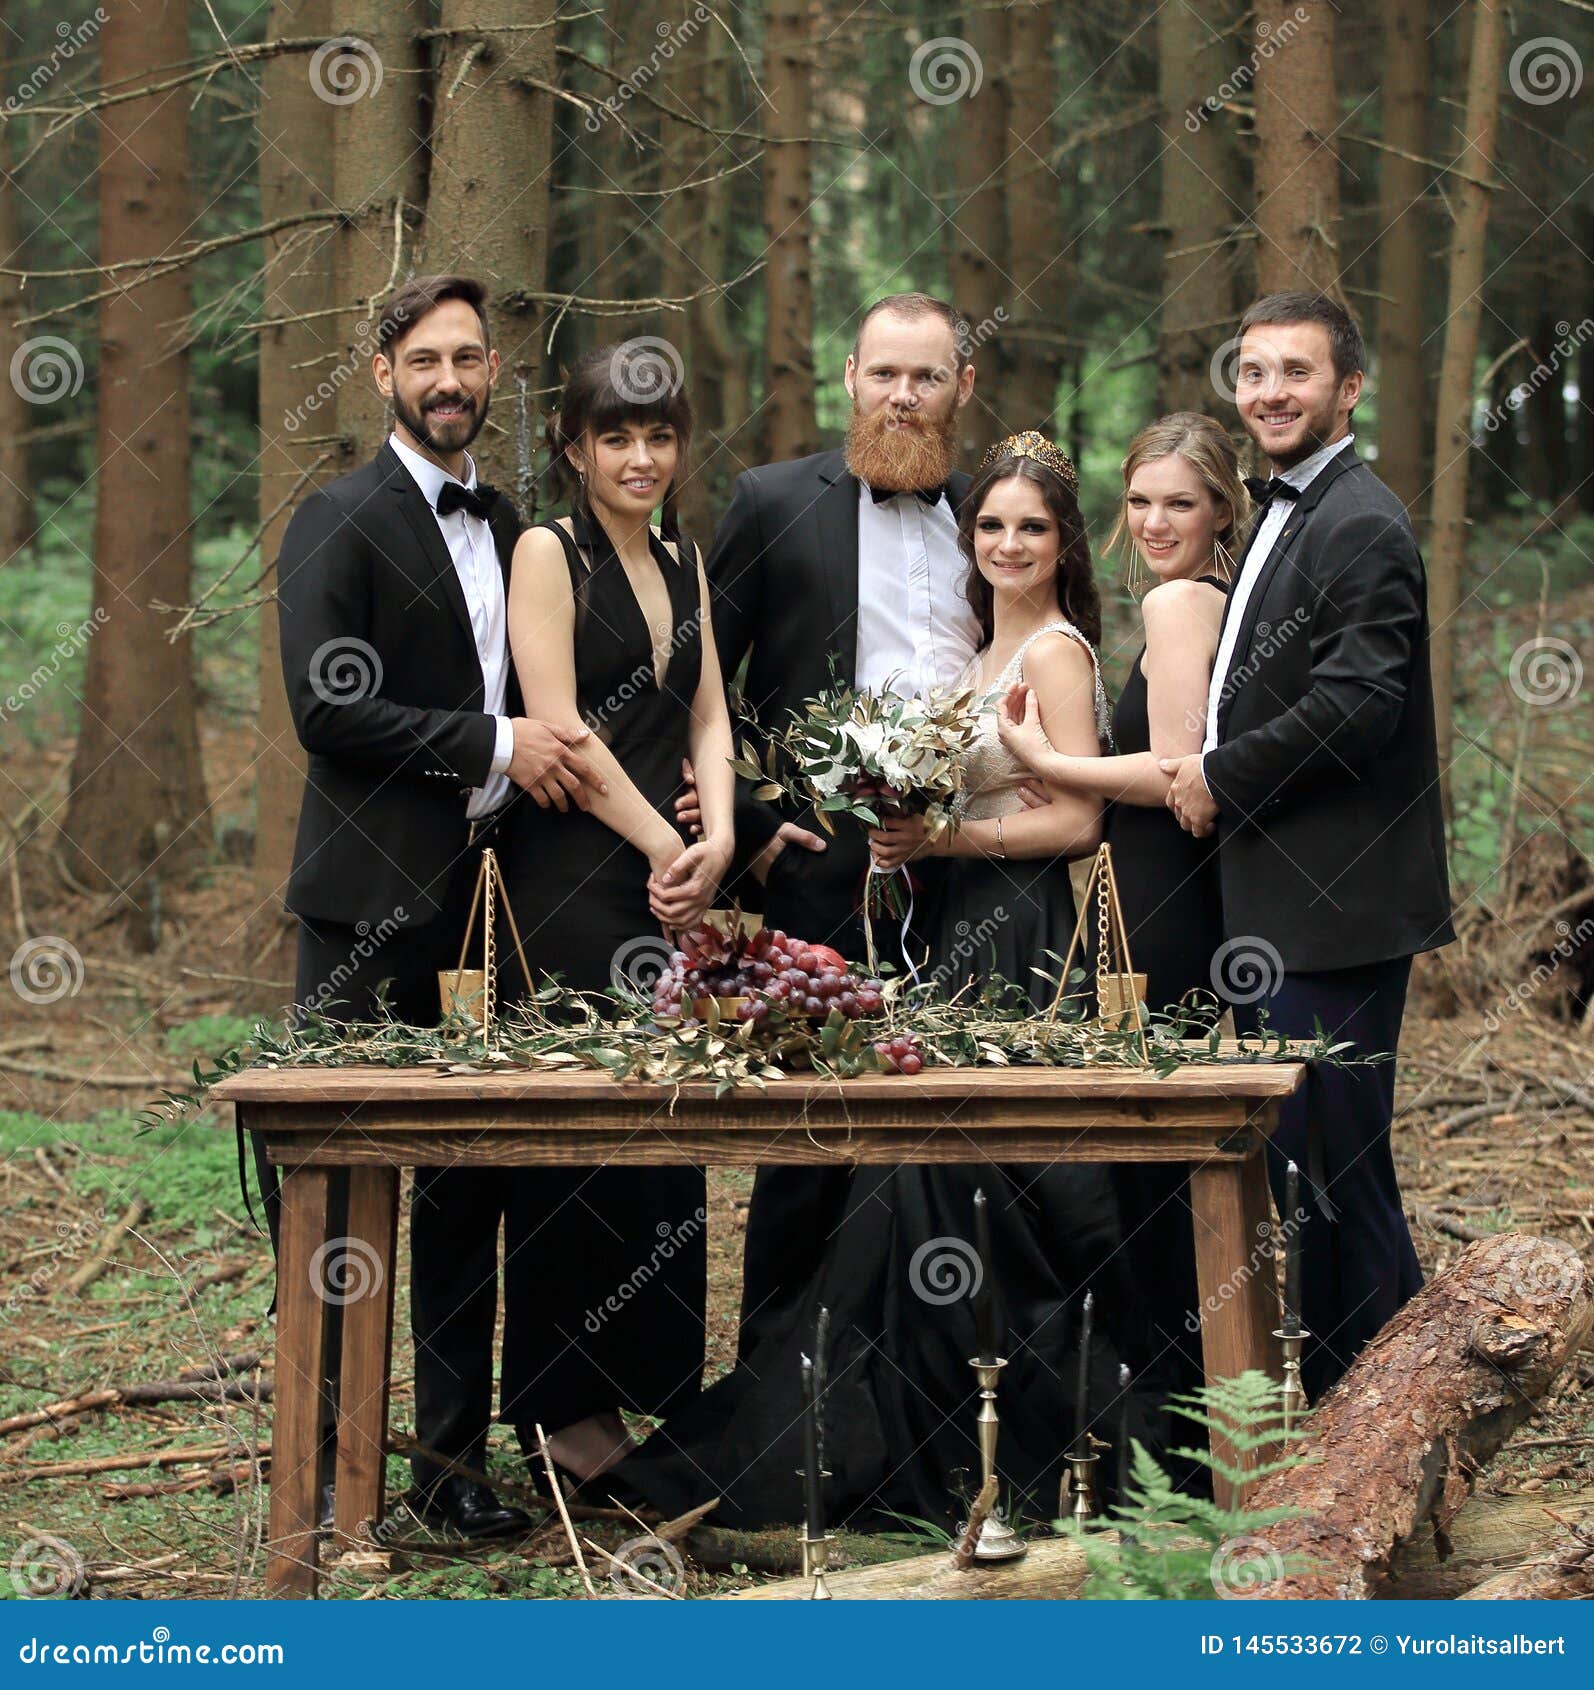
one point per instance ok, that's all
(469, 1507)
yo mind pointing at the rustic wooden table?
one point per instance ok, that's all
(375, 1121)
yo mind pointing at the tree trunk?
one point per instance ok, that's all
(1199, 205)
(1400, 1439)
(1053, 1570)
(791, 429)
(1403, 425)
(1563, 1573)
(487, 213)
(1463, 311)
(1297, 168)
(1032, 369)
(374, 83)
(978, 259)
(17, 416)
(298, 449)
(137, 810)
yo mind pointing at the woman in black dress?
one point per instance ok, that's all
(1183, 504)
(606, 1269)
(896, 1273)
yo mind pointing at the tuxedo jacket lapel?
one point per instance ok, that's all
(837, 513)
(423, 525)
(1289, 537)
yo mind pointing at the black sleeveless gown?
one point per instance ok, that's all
(1173, 915)
(899, 1417)
(605, 1268)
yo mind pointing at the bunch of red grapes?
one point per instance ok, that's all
(900, 1055)
(766, 970)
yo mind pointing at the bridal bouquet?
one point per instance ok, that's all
(867, 755)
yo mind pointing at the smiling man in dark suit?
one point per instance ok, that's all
(1320, 774)
(391, 593)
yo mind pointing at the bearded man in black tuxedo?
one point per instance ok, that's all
(1320, 774)
(391, 596)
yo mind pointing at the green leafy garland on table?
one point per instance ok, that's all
(618, 1034)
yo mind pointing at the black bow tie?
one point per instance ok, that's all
(477, 500)
(1264, 491)
(930, 495)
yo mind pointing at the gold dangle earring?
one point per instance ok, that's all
(1135, 580)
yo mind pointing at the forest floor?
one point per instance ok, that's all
(191, 1277)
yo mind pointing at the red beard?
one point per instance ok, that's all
(901, 457)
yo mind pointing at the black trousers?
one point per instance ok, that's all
(454, 1212)
(1359, 1268)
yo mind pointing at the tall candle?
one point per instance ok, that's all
(984, 1298)
(812, 1504)
(821, 1376)
(1292, 1250)
(1123, 1435)
(1082, 1389)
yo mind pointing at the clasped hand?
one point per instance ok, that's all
(681, 888)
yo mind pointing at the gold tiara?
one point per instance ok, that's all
(1033, 444)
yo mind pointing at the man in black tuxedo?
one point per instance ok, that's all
(1320, 774)
(391, 594)
(842, 567)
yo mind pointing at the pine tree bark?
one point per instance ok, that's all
(1032, 369)
(16, 414)
(791, 429)
(488, 204)
(1403, 417)
(137, 811)
(373, 81)
(298, 451)
(1463, 312)
(1199, 204)
(979, 262)
(1297, 167)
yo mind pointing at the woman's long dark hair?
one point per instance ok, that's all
(630, 381)
(1075, 581)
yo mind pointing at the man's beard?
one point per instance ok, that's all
(444, 439)
(906, 458)
(1319, 425)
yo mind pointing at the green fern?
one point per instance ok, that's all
(1174, 1547)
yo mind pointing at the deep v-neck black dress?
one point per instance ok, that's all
(605, 1268)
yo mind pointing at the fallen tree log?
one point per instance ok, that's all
(1491, 1535)
(1564, 1574)
(1053, 1568)
(1399, 1440)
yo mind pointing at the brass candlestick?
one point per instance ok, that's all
(1078, 1500)
(816, 1560)
(1292, 1395)
(997, 1540)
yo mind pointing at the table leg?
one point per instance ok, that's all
(300, 1356)
(367, 1351)
(1235, 1277)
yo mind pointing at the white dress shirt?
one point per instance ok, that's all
(1278, 512)
(475, 553)
(916, 628)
